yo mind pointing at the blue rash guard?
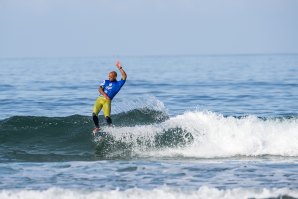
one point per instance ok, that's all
(112, 88)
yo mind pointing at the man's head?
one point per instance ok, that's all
(112, 76)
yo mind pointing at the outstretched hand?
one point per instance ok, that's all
(118, 64)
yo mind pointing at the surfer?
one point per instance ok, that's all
(108, 89)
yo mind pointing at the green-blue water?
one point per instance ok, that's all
(183, 126)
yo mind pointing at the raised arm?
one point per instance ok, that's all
(123, 73)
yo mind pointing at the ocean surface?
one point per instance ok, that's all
(212, 126)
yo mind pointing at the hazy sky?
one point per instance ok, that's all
(38, 28)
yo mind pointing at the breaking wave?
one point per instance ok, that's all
(202, 192)
(147, 133)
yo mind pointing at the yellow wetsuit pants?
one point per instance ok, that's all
(100, 103)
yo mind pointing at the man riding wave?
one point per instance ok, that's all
(108, 89)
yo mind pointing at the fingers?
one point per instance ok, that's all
(118, 64)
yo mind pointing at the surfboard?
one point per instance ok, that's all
(99, 135)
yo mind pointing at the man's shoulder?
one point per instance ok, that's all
(121, 81)
(104, 82)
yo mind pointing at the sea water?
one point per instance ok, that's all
(212, 126)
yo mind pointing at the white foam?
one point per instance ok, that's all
(169, 193)
(219, 136)
(142, 102)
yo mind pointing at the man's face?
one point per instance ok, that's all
(112, 76)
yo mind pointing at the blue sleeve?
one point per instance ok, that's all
(121, 82)
(102, 84)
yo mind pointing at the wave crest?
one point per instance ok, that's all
(210, 135)
(202, 192)
(147, 133)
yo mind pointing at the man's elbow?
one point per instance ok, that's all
(124, 77)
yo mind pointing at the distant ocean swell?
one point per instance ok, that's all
(147, 133)
(202, 192)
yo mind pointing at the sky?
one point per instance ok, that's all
(58, 28)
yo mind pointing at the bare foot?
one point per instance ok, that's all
(95, 130)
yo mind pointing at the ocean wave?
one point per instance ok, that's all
(33, 138)
(147, 133)
(202, 192)
(208, 135)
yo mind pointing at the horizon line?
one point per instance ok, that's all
(148, 55)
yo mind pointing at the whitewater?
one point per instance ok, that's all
(190, 135)
(211, 135)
